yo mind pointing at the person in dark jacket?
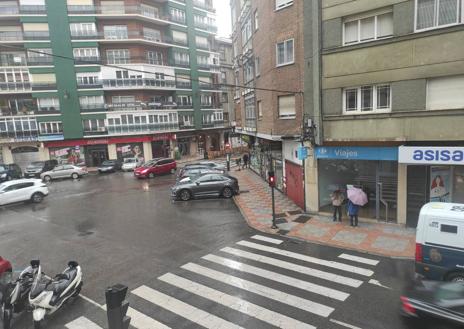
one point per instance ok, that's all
(353, 213)
(245, 160)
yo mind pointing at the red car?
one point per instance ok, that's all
(158, 167)
(5, 266)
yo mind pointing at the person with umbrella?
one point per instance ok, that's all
(356, 198)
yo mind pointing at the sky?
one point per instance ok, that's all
(223, 17)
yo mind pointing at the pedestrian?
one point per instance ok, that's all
(337, 201)
(353, 213)
(245, 160)
(238, 162)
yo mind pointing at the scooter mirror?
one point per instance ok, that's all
(35, 263)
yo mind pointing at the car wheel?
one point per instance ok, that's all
(37, 197)
(227, 192)
(456, 277)
(151, 175)
(47, 178)
(74, 175)
(37, 325)
(185, 195)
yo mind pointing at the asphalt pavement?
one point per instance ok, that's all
(194, 264)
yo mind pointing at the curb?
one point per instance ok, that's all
(318, 242)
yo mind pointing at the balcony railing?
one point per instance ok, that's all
(11, 36)
(87, 60)
(15, 86)
(85, 35)
(24, 9)
(208, 67)
(212, 124)
(206, 26)
(177, 19)
(13, 62)
(44, 86)
(29, 135)
(133, 60)
(95, 84)
(129, 35)
(180, 63)
(185, 126)
(183, 85)
(100, 132)
(139, 106)
(40, 61)
(36, 35)
(148, 127)
(93, 107)
(81, 9)
(209, 86)
(203, 5)
(135, 83)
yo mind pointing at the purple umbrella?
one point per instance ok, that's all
(357, 196)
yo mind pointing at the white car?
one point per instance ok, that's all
(64, 171)
(22, 190)
(130, 164)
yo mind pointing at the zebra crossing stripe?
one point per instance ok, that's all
(82, 323)
(331, 264)
(284, 279)
(185, 310)
(141, 321)
(235, 303)
(358, 259)
(294, 267)
(266, 239)
(277, 295)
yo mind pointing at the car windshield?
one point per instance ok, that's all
(37, 163)
(129, 160)
(2, 168)
(108, 163)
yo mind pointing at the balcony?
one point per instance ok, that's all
(36, 35)
(15, 86)
(11, 36)
(87, 60)
(24, 9)
(208, 67)
(180, 64)
(89, 108)
(183, 85)
(96, 84)
(186, 126)
(213, 124)
(85, 36)
(206, 27)
(177, 19)
(133, 35)
(44, 86)
(81, 9)
(16, 61)
(40, 61)
(209, 86)
(139, 106)
(142, 128)
(133, 60)
(102, 131)
(207, 5)
(28, 135)
(138, 83)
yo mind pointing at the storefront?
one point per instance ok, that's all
(373, 169)
(266, 156)
(129, 150)
(434, 174)
(68, 154)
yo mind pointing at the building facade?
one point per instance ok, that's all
(89, 80)
(269, 74)
(392, 106)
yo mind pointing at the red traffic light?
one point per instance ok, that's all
(271, 178)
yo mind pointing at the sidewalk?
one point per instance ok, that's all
(371, 237)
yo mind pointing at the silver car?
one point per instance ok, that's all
(64, 171)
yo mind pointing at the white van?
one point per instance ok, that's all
(440, 242)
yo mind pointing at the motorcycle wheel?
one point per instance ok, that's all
(36, 324)
(7, 315)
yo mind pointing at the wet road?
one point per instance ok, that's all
(123, 230)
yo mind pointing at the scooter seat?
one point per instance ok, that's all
(63, 280)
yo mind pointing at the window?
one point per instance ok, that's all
(123, 99)
(248, 71)
(87, 80)
(90, 125)
(82, 29)
(155, 58)
(91, 101)
(250, 111)
(39, 56)
(260, 109)
(177, 15)
(50, 128)
(280, 4)
(287, 106)
(257, 67)
(48, 104)
(246, 31)
(85, 53)
(367, 99)
(202, 42)
(256, 20)
(184, 100)
(437, 13)
(179, 37)
(449, 228)
(445, 93)
(206, 100)
(285, 52)
(181, 58)
(368, 28)
(118, 56)
(115, 32)
(151, 34)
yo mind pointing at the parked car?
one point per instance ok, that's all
(22, 190)
(434, 305)
(205, 186)
(5, 266)
(9, 172)
(162, 166)
(129, 164)
(38, 167)
(440, 242)
(109, 166)
(194, 172)
(64, 171)
(211, 164)
(192, 167)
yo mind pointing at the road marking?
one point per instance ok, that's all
(294, 267)
(284, 279)
(277, 295)
(185, 310)
(141, 321)
(331, 264)
(377, 283)
(82, 323)
(266, 239)
(344, 324)
(235, 303)
(91, 301)
(359, 259)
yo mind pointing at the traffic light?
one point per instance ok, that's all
(271, 178)
(116, 307)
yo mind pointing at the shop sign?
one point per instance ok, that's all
(357, 153)
(111, 140)
(302, 153)
(443, 155)
(51, 138)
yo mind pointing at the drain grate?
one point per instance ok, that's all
(302, 219)
(283, 232)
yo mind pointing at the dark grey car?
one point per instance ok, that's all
(208, 185)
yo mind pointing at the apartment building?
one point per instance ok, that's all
(392, 110)
(125, 78)
(269, 72)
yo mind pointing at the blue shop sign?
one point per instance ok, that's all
(47, 138)
(357, 153)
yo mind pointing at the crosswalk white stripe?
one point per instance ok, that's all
(277, 295)
(294, 267)
(141, 321)
(331, 264)
(82, 323)
(358, 259)
(235, 303)
(284, 279)
(185, 310)
(266, 239)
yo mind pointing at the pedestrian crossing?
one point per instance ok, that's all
(256, 282)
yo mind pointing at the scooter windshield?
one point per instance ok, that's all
(38, 285)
